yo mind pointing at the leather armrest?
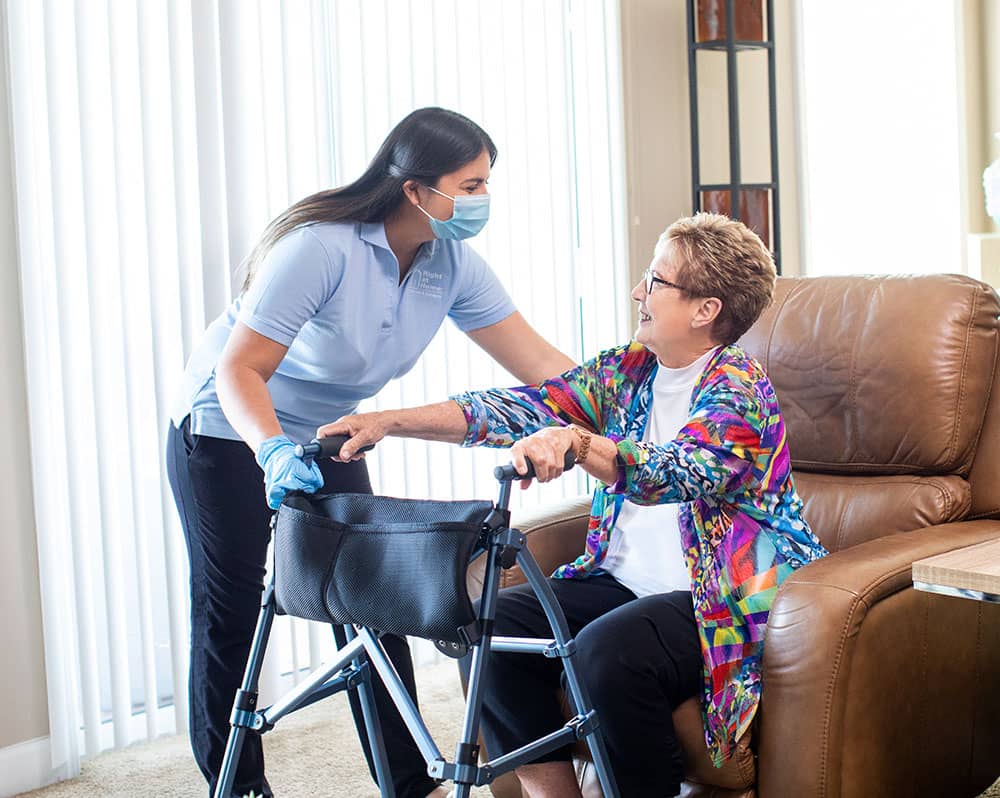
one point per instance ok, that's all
(556, 534)
(857, 663)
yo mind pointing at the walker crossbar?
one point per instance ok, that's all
(320, 680)
(352, 673)
(575, 729)
(351, 670)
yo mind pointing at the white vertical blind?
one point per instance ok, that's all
(152, 143)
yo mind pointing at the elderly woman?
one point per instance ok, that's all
(695, 526)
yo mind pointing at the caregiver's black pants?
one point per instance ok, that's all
(640, 658)
(219, 491)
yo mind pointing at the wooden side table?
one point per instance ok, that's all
(971, 572)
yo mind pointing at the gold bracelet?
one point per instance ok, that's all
(584, 436)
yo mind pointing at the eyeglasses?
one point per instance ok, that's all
(650, 279)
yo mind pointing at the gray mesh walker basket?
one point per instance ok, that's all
(398, 566)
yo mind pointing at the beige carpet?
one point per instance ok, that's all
(311, 753)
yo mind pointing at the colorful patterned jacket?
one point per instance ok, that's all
(729, 468)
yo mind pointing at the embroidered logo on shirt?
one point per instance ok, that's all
(425, 283)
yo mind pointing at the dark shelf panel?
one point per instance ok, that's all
(723, 46)
(728, 186)
(769, 226)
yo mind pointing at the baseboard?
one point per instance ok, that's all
(27, 766)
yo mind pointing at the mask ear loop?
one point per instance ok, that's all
(440, 192)
(421, 209)
(425, 213)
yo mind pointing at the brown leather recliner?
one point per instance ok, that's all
(891, 395)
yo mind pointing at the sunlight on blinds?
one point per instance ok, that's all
(152, 144)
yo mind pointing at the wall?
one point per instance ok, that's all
(973, 103)
(657, 124)
(991, 72)
(982, 86)
(22, 669)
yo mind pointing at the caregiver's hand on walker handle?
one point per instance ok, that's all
(284, 471)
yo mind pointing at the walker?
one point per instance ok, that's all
(399, 566)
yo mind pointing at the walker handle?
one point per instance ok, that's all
(507, 473)
(326, 447)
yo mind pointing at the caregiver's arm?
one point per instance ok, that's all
(497, 417)
(517, 346)
(443, 421)
(241, 376)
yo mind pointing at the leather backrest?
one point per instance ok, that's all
(846, 510)
(883, 374)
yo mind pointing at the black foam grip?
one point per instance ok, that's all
(327, 447)
(506, 473)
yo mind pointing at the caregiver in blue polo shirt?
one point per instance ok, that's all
(343, 293)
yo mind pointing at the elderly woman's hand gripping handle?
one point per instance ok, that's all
(547, 450)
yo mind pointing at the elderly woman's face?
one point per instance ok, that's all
(669, 317)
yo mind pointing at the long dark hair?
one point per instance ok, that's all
(426, 144)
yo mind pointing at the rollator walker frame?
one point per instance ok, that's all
(351, 669)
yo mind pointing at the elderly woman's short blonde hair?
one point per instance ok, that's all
(721, 257)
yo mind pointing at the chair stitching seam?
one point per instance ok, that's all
(943, 495)
(825, 748)
(974, 683)
(860, 468)
(824, 758)
(898, 479)
(922, 711)
(953, 446)
(840, 525)
(862, 591)
(982, 422)
(886, 578)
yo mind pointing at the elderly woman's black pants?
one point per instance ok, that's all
(639, 657)
(219, 492)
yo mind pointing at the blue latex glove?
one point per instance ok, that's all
(284, 471)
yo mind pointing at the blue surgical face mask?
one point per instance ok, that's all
(471, 213)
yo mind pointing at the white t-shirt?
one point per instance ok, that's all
(644, 552)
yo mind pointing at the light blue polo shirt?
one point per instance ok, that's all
(331, 294)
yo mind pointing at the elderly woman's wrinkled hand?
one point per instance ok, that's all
(361, 429)
(547, 451)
